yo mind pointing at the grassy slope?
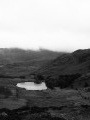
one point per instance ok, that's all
(70, 63)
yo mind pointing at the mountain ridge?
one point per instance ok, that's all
(69, 63)
(18, 55)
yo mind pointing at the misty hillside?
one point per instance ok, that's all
(19, 62)
(20, 55)
(69, 63)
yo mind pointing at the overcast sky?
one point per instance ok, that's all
(62, 25)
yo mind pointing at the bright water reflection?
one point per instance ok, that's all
(32, 86)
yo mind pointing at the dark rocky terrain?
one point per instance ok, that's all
(67, 76)
(70, 63)
(67, 68)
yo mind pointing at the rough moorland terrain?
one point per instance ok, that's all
(45, 105)
(67, 77)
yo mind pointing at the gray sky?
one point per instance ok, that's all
(52, 24)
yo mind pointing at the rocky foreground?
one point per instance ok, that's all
(46, 105)
(51, 113)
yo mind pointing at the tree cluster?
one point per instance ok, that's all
(62, 81)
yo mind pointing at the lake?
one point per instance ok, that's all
(32, 86)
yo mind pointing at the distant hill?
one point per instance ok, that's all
(68, 63)
(19, 55)
(18, 62)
